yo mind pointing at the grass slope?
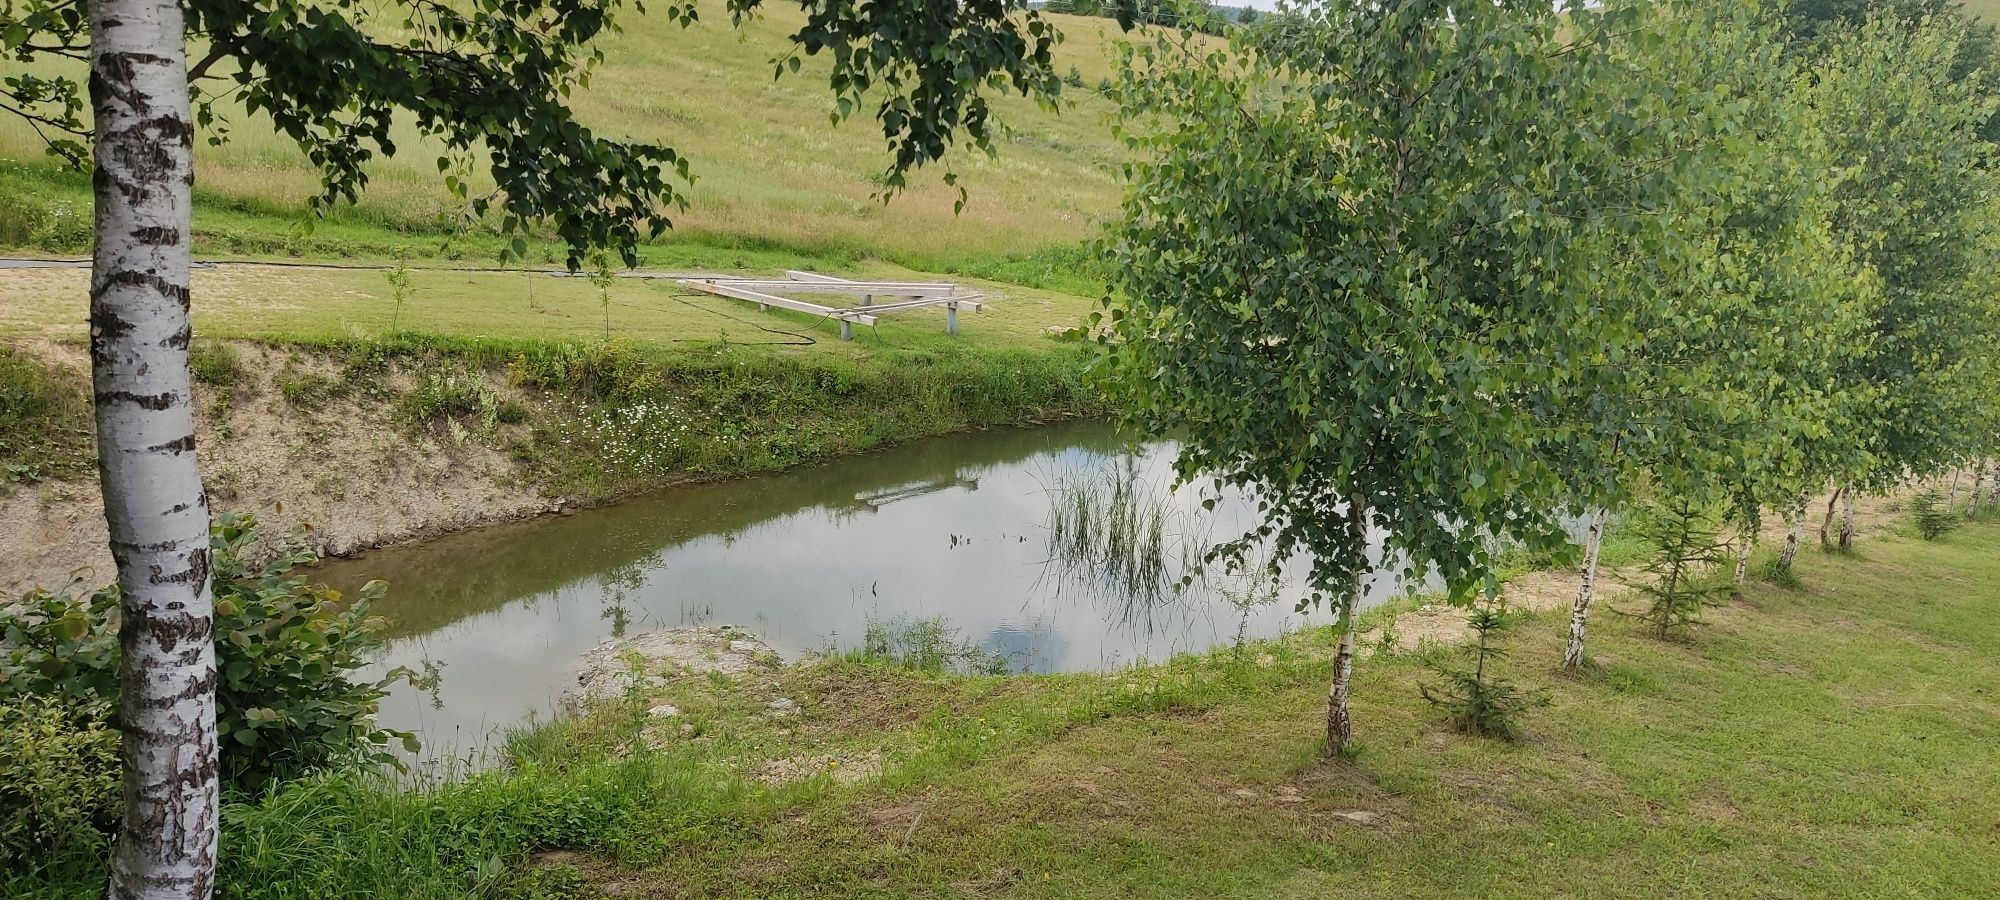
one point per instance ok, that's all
(770, 170)
(1837, 740)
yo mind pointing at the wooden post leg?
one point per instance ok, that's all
(867, 299)
(846, 330)
(951, 319)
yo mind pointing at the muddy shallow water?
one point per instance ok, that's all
(954, 528)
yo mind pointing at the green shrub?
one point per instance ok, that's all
(287, 702)
(511, 412)
(1928, 512)
(30, 219)
(22, 215)
(309, 390)
(59, 797)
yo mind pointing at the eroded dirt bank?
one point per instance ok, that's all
(363, 441)
(339, 469)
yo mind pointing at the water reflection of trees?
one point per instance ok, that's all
(439, 582)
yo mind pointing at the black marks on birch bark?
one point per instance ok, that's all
(182, 444)
(168, 288)
(155, 402)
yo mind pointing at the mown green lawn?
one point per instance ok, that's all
(316, 304)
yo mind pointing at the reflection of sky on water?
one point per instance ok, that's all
(951, 528)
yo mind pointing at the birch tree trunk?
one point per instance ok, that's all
(1826, 524)
(1978, 481)
(1339, 721)
(1951, 499)
(1745, 540)
(1586, 589)
(1792, 537)
(1993, 488)
(1847, 517)
(153, 498)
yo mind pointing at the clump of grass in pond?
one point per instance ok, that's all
(1116, 532)
(925, 645)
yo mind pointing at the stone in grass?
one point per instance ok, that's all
(610, 670)
(783, 706)
(664, 711)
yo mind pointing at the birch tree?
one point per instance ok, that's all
(1727, 385)
(1920, 214)
(1356, 276)
(488, 79)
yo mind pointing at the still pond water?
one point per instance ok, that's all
(955, 528)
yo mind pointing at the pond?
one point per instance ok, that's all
(956, 529)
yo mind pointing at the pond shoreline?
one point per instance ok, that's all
(316, 450)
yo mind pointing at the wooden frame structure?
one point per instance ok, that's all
(901, 296)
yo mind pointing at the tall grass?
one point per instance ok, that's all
(45, 426)
(1114, 532)
(924, 644)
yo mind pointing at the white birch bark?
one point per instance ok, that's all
(1993, 487)
(1745, 540)
(153, 499)
(1339, 720)
(1978, 480)
(1586, 589)
(1951, 498)
(1792, 537)
(1847, 517)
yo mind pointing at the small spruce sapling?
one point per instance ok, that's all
(1687, 552)
(1932, 515)
(1475, 700)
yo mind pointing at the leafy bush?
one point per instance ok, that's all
(286, 650)
(1933, 520)
(1476, 701)
(309, 390)
(60, 796)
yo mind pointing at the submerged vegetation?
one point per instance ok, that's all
(1112, 531)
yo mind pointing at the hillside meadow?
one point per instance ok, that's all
(770, 171)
